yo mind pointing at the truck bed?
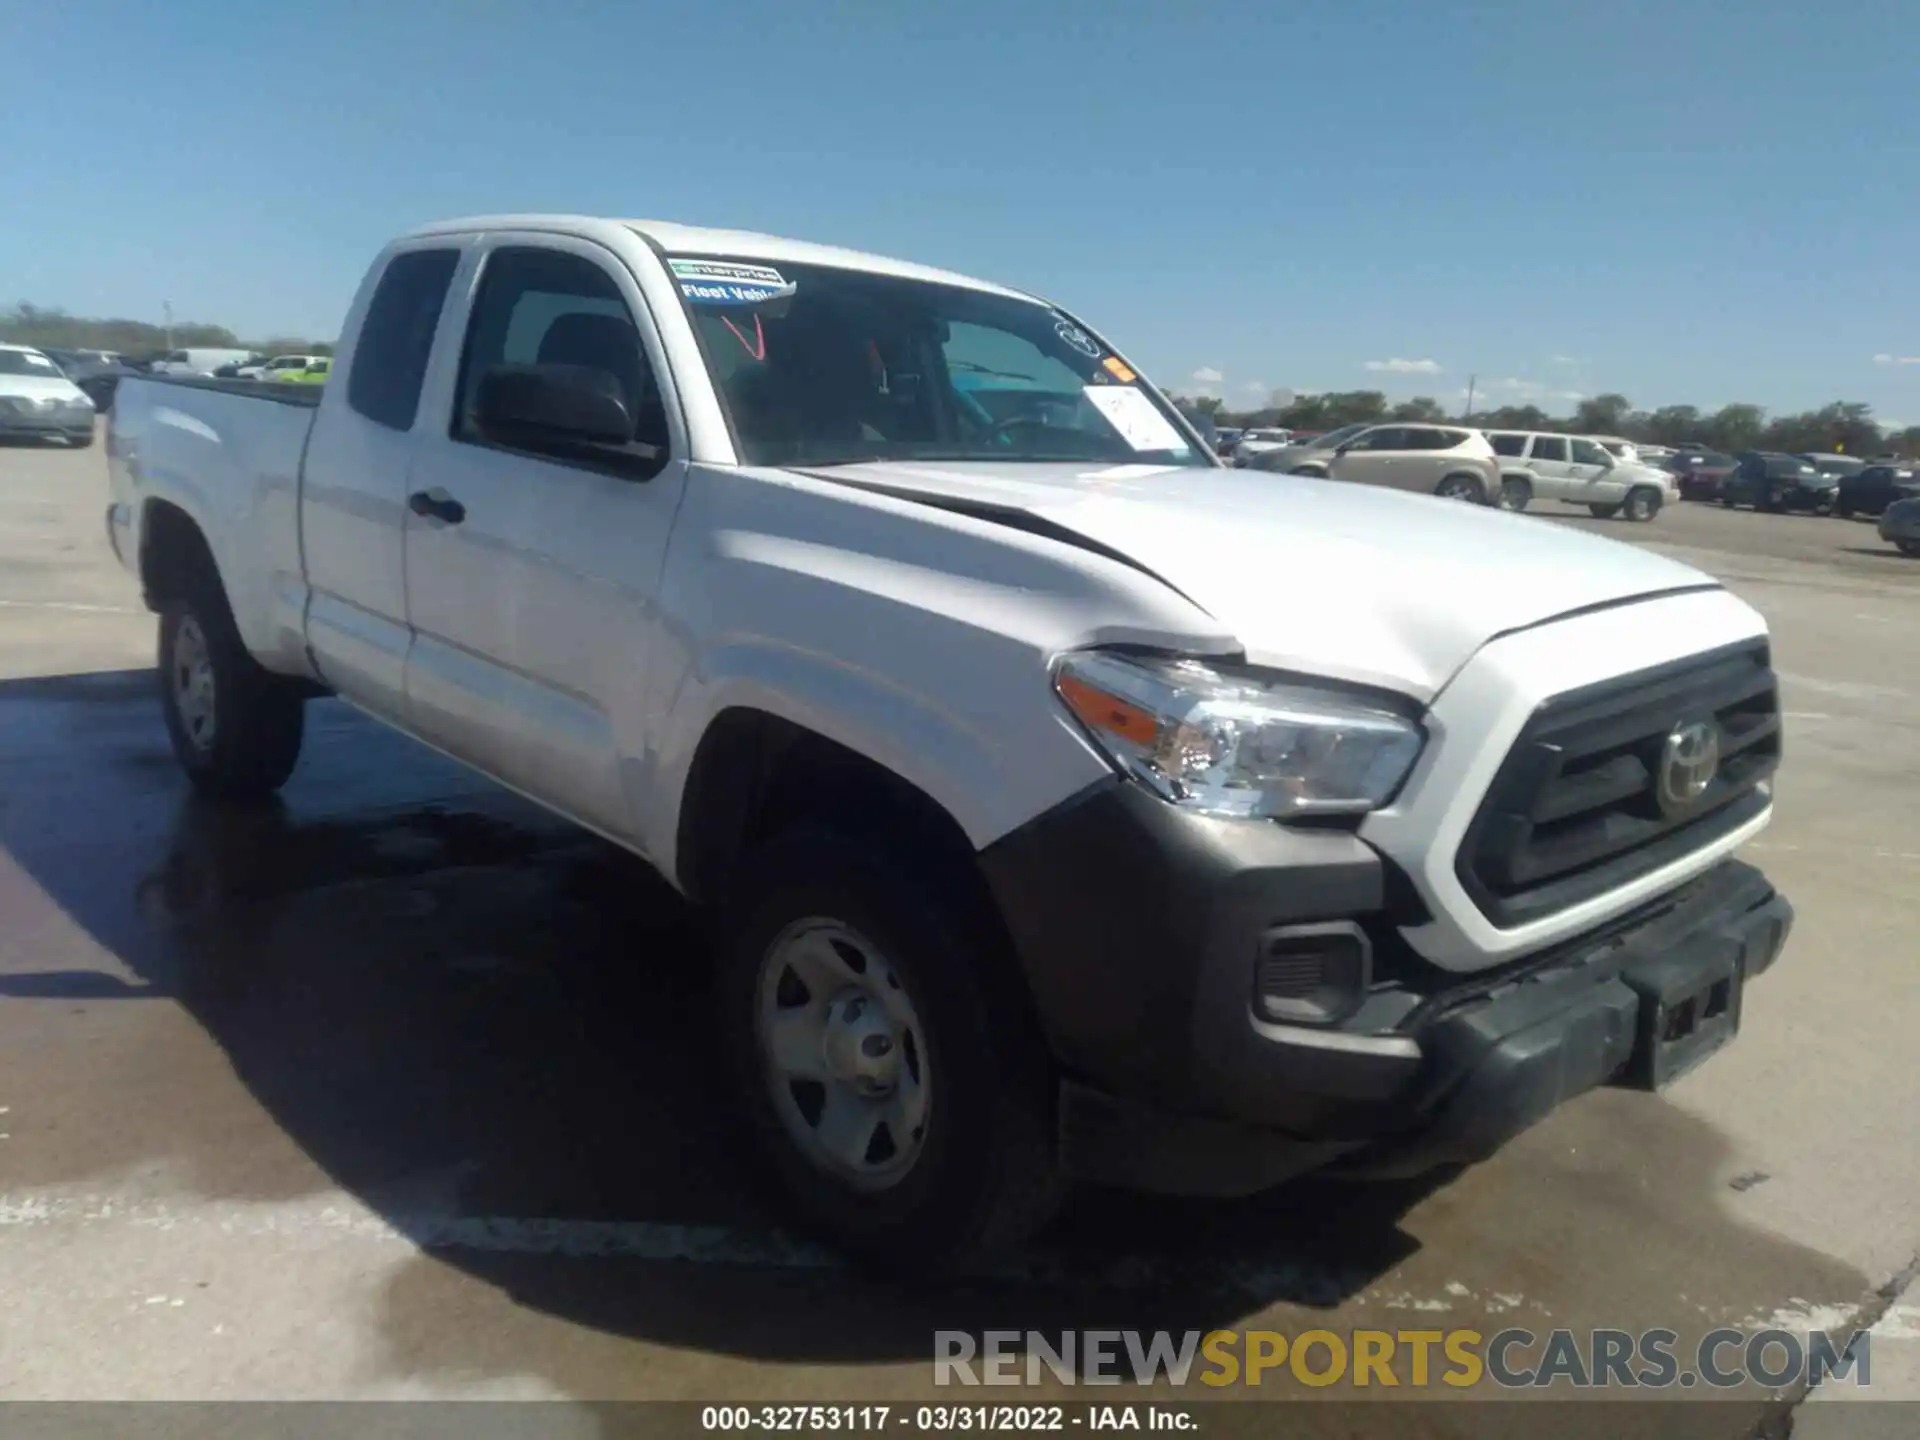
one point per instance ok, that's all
(229, 453)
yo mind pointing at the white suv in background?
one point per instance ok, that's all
(1577, 470)
(1257, 442)
(1446, 460)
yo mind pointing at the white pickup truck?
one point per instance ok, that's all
(1070, 805)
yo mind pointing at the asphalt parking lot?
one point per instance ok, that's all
(402, 1089)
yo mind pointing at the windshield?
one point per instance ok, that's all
(817, 365)
(28, 362)
(1836, 464)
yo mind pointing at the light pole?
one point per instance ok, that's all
(1467, 414)
(166, 307)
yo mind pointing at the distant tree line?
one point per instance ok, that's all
(25, 324)
(1844, 425)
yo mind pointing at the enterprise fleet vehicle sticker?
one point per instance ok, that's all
(1132, 414)
(723, 282)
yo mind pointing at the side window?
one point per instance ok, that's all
(396, 337)
(1385, 437)
(1549, 447)
(1585, 452)
(547, 307)
(1509, 444)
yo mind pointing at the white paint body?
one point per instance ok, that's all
(577, 636)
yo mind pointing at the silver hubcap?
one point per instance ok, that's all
(1456, 490)
(844, 1054)
(192, 681)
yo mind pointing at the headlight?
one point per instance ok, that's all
(1223, 743)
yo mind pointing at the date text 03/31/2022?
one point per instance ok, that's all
(940, 1419)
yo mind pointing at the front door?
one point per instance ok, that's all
(530, 578)
(1593, 470)
(1371, 457)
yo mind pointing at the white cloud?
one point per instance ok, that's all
(1397, 366)
(1207, 375)
(1512, 388)
(1565, 360)
(1254, 387)
(1896, 359)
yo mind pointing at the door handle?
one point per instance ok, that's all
(438, 505)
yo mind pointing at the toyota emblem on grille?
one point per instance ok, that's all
(1688, 762)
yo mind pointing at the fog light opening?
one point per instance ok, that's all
(1312, 974)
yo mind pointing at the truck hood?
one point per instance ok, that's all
(1377, 587)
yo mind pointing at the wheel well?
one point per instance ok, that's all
(756, 774)
(1479, 482)
(174, 554)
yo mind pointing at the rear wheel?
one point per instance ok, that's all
(901, 1102)
(1642, 504)
(1311, 471)
(1908, 547)
(1462, 487)
(1515, 495)
(235, 728)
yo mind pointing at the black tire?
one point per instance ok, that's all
(986, 1173)
(1603, 512)
(1470, 488)
(1727, 500)
(1842, 510)
(1312, 472)
(1908, 547)
(81, 442)
(1643, 503)
(252, 742)
(1515, 495)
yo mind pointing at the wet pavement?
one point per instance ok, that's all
(399, 1087)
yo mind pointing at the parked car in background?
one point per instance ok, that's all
(280, 367)
(314, 372)
(96, 372)
(1227, 436)
(1872, 488)
(1775, 483)
(1900, 524)
(1305, 454)
(1258, 442)
(1452, 462)
(1578, 470)
(1838, 466)
(38, 400)
(1699, 474)
(198, 361)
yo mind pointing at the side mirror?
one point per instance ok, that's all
(1340, 450)
(541, 407)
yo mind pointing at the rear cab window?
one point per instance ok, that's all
(396, 337)
(1510, 445)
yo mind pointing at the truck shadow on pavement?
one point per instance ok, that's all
(493, 1033)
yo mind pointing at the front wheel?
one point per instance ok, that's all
(900, 1096)
(80, 439)
(1642, 504)
(1462, 487)
(1908, 547)
(1515, 495)
(235, 728)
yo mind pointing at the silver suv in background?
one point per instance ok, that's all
(1445, 460)
(1577, 470)
(1259, 442)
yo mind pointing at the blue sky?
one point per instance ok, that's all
(1683, 201)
